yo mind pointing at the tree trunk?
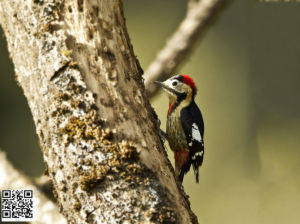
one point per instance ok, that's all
(97, 130)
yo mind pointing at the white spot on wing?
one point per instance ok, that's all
(196, 133)
(199, 153)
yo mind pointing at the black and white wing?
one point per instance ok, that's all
(193, 126)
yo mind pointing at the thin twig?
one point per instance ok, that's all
(199, 15)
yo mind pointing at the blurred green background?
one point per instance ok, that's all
(247, 69)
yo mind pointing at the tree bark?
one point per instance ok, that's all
(97, 130)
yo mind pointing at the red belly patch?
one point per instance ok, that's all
(181, 157)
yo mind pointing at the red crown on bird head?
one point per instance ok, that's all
(189, 81)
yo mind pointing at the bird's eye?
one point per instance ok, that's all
(174, 83)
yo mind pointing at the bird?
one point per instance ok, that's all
(185, 125)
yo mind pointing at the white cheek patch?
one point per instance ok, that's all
(168, 83)
(196, 133)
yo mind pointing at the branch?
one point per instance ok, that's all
(199, 15)
(45, 211)
(97, 130)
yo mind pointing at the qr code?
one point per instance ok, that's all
(17, 205)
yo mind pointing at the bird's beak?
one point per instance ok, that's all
(164, 86)
(159, 83)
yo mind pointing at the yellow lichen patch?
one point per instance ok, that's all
(61, 110)
(47, 27)
(63, 96)
(73, 64)
(66, 52)
(77, 205)
(107, 134)
(78, 104)
(82, 127)
(164, 215)
(94, 176)
(122, 160)
(127, 150)
(75, 87)
(74, 128)
(133, 168)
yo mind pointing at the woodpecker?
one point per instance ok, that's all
(185, 126)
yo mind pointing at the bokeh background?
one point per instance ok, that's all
(247, 69)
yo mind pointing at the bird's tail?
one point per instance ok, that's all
(196, 172)
(197, 160)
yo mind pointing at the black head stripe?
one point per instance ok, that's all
(179, 78)
(180, 98)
